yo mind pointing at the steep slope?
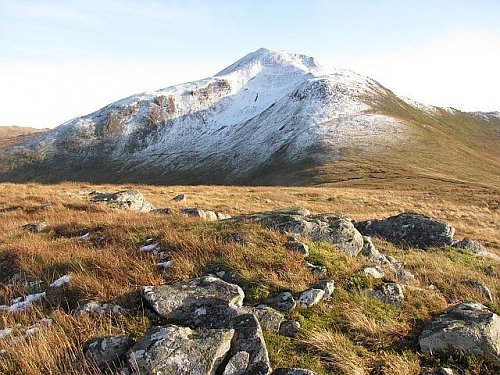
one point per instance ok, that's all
(272, 117)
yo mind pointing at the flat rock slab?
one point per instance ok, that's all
(470, 327)
(193, 297)
(124, 200)
(333, 229)
(409, 230)
(173, 350)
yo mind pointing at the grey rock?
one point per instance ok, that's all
(107, 352)
(469, 327)
(310, 297)
(333, 229)
(289, 328)
(177, 350)
(327, 285)
(204, 214)
(299, 247)
(248, 338)
(404, 276)
(436, 371)
(317, 270)
(293, 371)
(124, 200)
(388, 292)
(370, 251)
(269, 319)
(163, 211)
(283, 302)
(471, 245)
(195, 299)
(101, 308)
(372, 272)
(38, 227)
(238, 364)
(409, 229)
(179, 198)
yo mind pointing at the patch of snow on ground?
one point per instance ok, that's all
(60, 281)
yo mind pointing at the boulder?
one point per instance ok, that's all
(409, 229)
(289, 328)
(297, 246)
(248, 338)
(333, 229)
(38, 227)
(269, 319)
(177, 350)
(237, 364)
(388, 292)
(327, 285)
(283, 302)
(293, 371)
(469, 327)
(470, 245)
(311, 297)
(124, 200)
(179, 198)
(191, 302)
(204, 214)
(373, 272)
(107, 352)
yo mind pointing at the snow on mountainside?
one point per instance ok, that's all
(270, 111)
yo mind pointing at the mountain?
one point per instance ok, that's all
(272, 117)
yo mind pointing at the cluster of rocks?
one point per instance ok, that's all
(206, 330)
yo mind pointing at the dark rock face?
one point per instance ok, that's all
(469, 326)
(176, 350)
(409, 229)
(124, 200)
(471, 245)
(107, 352)
(336, 230)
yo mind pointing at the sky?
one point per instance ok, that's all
(64, 59)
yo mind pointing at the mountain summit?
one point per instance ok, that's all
(272, 117)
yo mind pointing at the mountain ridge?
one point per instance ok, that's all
(271, 117)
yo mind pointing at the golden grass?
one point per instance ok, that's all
(350, 333)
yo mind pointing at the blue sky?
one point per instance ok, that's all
(68, 58)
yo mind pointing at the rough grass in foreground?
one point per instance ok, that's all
(350, 334)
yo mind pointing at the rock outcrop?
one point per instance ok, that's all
(469, 327)
(409, 230)
(123, 200)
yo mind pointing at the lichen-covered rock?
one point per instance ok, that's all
(173, 350)
(469, 327)
(372, 272)
(333, 229)
(297, 246)
(311, 297)
(318, 271)
(388, 292)
(248, 338)
(293, 371)
(180, 301)
(101, 308)
(38, 227)
(124, 200)
(283, 302)
(471, 245)
(409, 229)
(327, 285)
(107, 352)
(269, 318)
(237, 364)
(289, 328)
(204, 214)
(370, 251)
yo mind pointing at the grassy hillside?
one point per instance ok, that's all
(12, 135)
(351, 334)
